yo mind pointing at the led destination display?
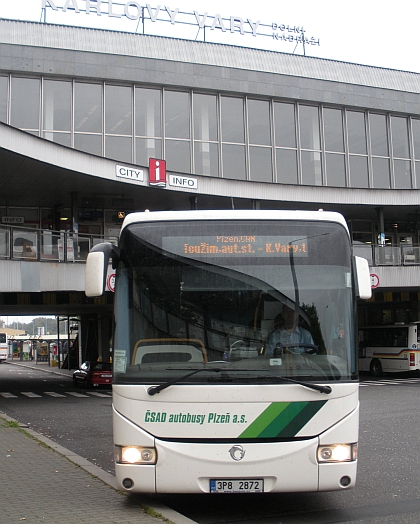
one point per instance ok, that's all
(236, 246)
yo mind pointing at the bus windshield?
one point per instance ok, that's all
(239, 302)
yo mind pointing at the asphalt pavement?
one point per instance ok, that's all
(42, 481)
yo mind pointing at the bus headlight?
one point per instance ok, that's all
(135, 455)
(337, 453)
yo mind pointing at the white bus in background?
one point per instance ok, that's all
(389, 348)
(4, 348)
(197, 405)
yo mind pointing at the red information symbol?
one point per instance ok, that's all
(374, 281)
(111, 282)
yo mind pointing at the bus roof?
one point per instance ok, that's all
(234, 214)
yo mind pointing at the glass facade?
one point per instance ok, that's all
(213, 134)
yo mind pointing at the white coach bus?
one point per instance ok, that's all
(389, 348)
(198, 405)
(4, 348)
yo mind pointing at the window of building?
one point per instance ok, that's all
(233, 157)
(311, 168)
(333, 130)
(287, 171)
(417, 167)
(148, 103)
(359, 176)
(378, 135)
(284, 124)
(64, 139)
(4, 86)
(118, 122)
(259, 135)
(309, 127)
(335, 170)
(118, 148)
(148, 124)
(87, 108)
(147, 148)
(399, 137)
(205, 117)
(118, 110)
(205, 134)
(259, 122)
(233, 132)
(356, 132)
(88, 143)
(56, 106)
(232, 118)
(25, 103)
(260, 164)
(219, 135)
(177, 155)
(206, 156)
(380, 172)
(402, 174)
(415, 125)
(177, 126)
(177, 114)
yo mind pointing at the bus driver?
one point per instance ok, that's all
(288, 333)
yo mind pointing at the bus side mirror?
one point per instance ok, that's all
(97, 267)
(362, 278)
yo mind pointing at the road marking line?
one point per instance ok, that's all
(30, 394)
(8, 395)
(97, 394)
(74, 394)
(54, 394)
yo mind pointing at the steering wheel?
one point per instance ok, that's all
(309, 349)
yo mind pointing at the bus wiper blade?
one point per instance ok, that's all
(322, 389)
(157, 389)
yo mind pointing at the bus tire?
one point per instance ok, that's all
(375, 368)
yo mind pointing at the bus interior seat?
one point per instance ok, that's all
(162, 350)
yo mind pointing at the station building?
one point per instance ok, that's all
(85, 114)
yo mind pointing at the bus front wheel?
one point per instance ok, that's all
(375, 368)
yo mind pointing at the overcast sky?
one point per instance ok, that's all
(372, 32)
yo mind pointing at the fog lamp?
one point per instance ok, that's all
(135, 455)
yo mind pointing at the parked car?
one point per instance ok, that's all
(93, 374)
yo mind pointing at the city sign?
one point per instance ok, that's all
(129, 172)
(231, 24)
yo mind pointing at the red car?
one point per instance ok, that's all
(93, 374)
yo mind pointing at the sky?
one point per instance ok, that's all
(10, 319)
(370, 32)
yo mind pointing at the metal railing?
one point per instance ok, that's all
(402, 255)
(19, 243)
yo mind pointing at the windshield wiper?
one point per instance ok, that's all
(322, 389)
(157, 389)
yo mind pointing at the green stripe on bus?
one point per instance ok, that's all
(282, 419)
(301, 418)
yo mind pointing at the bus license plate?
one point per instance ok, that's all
(237, 486)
